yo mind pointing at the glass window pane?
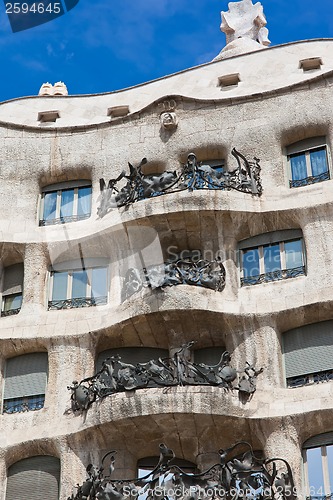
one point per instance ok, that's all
(272, 258)
(298, 166)
(251, 262)
(67, 203)
(12, 302)
(84, 201)
(99, 282)
(318, 161)
(330, 465)
(316, 480)
(294, 254)
(59, 286)
(50, 205)
(79, 287)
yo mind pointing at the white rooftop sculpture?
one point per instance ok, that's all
(244, 27)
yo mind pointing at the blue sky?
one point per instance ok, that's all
(105, 45)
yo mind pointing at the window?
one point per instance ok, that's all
(208, 355)
(25, 382)
(308, 354)
(308, 162)
(272, 257)
(65, 202)
(34, 478)
(318, 466)
(78, 286)
(12, 290)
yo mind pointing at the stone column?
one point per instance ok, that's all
(284, 443)
(35, 278)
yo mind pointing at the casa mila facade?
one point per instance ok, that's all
(166, 281)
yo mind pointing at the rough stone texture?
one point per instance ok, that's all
(260, 118)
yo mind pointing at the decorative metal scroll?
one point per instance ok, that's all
(313, 378)
(76, 302)
(202, 272)
(10, 312)
(243, 477)
(135, 186)
(118, 376)
(21, 405)
(312, 179)
(280, 274)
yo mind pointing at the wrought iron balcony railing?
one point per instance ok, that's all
(10, 312)
(313, 179)
(76, 303)
(273, 276)
(234, 477)
(183, 271)
(20, 405)
(118, 376)
(136, 186)
(63, 220)
(313, 378)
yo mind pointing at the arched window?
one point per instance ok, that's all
(25, 382)
(34, 478)
(308, 162)
(308, 354)
(65, 202)
(318, 466)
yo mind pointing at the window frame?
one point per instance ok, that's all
(25, 402)
(320, 441)
(267, 239)
(305, 147)
(59, 189)
(69, 302)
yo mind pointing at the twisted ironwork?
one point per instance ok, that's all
(22, 405)
(312, 179)
(135, 186)
(76, 303)
(280, 274)
(232, 478)
(63, 219)
(119, 376)
(202, 272)
(313, 378)
(10, 312)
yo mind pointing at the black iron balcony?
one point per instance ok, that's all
(235, 475)
(118, 376)
(313, 378)
(136, 186)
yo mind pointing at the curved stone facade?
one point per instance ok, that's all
(276, 104)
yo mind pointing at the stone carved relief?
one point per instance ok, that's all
(168, 120)
(204, 273)
(134, 186)
(118, 376)
(235, 476)
(245, 20)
